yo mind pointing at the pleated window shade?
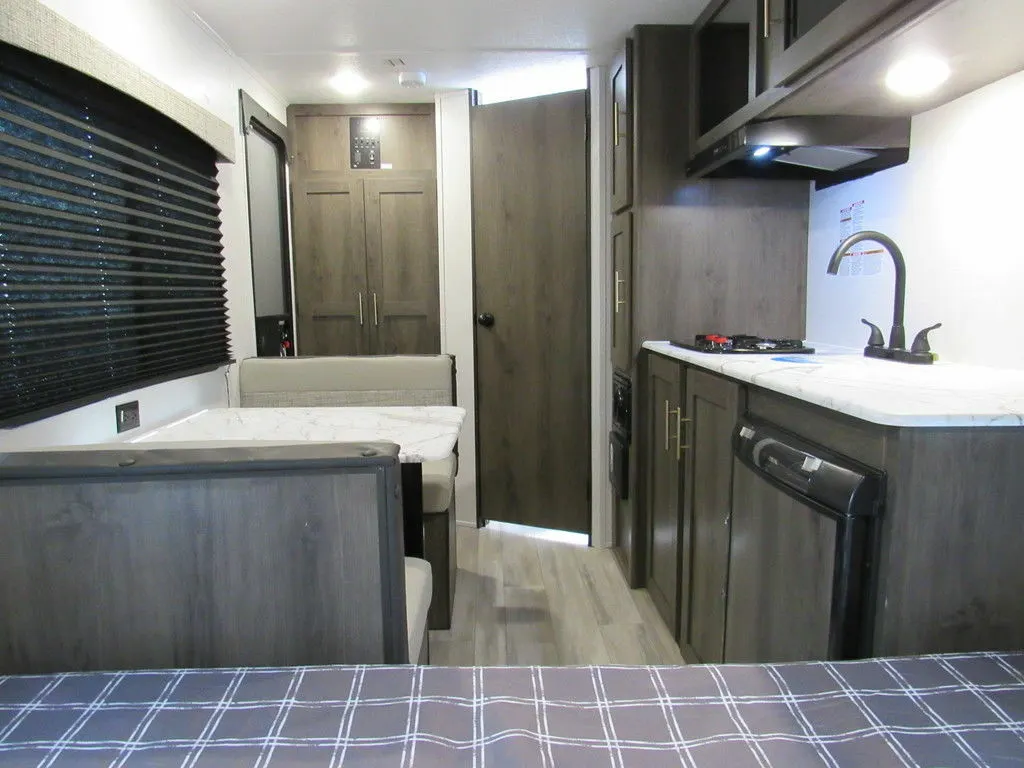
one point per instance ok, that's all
(111, 273)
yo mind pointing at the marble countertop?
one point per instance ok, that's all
(878, 391)
(423, 433)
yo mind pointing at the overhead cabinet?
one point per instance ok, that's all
(622, 129)
(366, 264)
(746, 52)
(803, 32)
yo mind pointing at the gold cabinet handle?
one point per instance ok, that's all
(767, 18)
(376, 317)
(615, 120)
(360, 295)
(619, 301)
(679, 432)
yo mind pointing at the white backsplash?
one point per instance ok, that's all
(956, 210)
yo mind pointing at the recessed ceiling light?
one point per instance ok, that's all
(762, 151)
(917, 75)
(349, 83)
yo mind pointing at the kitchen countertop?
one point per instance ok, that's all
(878, 391)
(423, 433)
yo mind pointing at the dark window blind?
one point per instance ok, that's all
(111, 273)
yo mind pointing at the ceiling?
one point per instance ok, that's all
(503, 49)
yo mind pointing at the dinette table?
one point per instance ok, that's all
(422, 433)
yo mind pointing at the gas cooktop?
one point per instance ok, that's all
(743, 344)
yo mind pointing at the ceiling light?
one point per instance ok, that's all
(349, 83)
(762, 151)
(917, 75)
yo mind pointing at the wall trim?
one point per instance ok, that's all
(602, 521)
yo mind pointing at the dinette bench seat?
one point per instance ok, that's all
(383, 380)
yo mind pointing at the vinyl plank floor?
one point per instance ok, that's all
(521, 599)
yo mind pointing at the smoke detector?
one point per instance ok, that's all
(412, 79)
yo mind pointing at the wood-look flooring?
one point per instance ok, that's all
(522, 600)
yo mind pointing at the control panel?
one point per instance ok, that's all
(364, 133)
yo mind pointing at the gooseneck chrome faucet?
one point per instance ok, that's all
(897, 335)
(920, 352)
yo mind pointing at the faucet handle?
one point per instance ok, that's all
(921, 344)
(876, 339)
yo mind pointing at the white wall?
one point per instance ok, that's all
(167, 41)
(455, 236)
(955, 211)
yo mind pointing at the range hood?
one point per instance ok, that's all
(825, 149)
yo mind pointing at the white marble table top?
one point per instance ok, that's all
(879, 391)
(423, 433)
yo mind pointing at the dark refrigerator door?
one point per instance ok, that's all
(781, 573)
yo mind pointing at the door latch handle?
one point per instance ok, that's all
(615, 120)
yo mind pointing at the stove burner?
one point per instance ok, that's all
(743, 344)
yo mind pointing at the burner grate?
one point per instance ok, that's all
(744, 344)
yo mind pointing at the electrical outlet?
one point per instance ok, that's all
(127, 415)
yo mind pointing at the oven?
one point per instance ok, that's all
(620, 437)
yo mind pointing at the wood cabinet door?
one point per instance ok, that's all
(330, 266)
(622, 291)
(664, 398)
(712, 407)
(622, 130)
(803, 32)
(401, 257)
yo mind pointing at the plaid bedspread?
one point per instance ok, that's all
(947, 710)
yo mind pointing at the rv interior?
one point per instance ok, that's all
(402, 383)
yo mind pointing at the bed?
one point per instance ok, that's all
(943, 710)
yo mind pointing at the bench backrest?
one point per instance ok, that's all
(276, 382)
(233, 556)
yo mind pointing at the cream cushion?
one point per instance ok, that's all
(332, 381)
(438, 484)
(418, 590)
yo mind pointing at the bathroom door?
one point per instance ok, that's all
(532, 295)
